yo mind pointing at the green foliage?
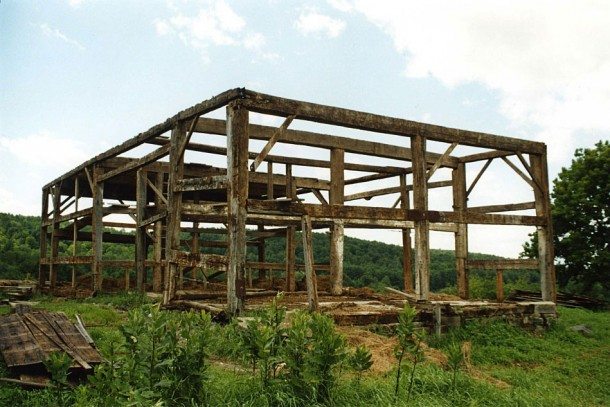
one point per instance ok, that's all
(410, 340)
(58, 365)
(581, 222)
(360, 361)
(455, 360)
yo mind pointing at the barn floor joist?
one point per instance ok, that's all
(172, 186)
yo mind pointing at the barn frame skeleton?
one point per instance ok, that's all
(166, 198)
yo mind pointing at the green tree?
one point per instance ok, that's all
(581, 222)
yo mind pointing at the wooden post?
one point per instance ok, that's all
(270, 181)
(195, 247)
(460, 202)
(43, 269)
(422, 226)
(310, 273)
(336, 197)
(54, 240)
(237, 195)
(97, 228)
(174, 202)
(407, 274)
(499, 285)
(291, 243)
(546, 252)
(260, 247)
(157, 280)
(141, 243)
(75, 229)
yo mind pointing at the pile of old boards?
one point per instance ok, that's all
(17, 289)
(28, 337)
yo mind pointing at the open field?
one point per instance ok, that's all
(507, 366)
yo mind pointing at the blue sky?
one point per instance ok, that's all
(79, 76)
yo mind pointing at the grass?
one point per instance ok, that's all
(559, 367)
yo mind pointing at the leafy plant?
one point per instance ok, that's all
(409, 342)
(58, 365)
(360, 361)
(455, 360)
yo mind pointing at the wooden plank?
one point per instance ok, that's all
(138, 163)
(392, 190)
(153, 219)
(202, 184)
(75, 230)
(503, 207)
(319, 196)
(439, 161)
(372, 177)
(420, 203)
(97, 228)
(476, 179)
(310, 273)
(460, 203)
(518, 171)
(484, 156)
(407, 274)
(174, 207)
(277, 135)
(237, 174)
(336, 197)
(268, 104)
(196, 110)
(311, 139)
(291, 242)
(503, 264)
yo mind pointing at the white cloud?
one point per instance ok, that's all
(44, 150)
(55, 33)
(341, 5)
(75, 3)
(548, 61)
(312, 22)
(215, 23)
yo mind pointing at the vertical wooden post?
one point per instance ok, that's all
(407, 274)
(141, 243)
(237, 195)
(74, 229)
(97, 228)
(460, 202)
(499, 285)
(291, 243)
(336, 197)
(310, 274)
(422, 226)
(157, 280)
(195, 247)
(43, 269)
(260, 247)
(54, 240)
(270, 181)
(174, 202)
(546, 252)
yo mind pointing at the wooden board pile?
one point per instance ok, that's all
(17, 289)
(28, 339)
(564, 299)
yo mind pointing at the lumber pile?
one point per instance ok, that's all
(564, 299)
(17, 290)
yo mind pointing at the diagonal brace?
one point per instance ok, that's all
(272, 140)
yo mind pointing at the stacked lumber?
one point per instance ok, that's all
(16, 290)
(564, 299)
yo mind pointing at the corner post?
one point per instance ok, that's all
(237, 195)
(336, 197)
(422, 225)
(157, 279)
(97, 228)
(460, 202)
(546, 252)
(407, 274)
(141, 243)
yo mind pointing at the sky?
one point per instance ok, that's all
(80, 76)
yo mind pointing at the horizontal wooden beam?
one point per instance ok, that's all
(137, 163)
(392, 190)
(274, 105)
(311, 139)
(201, 184)
(196, 110)
(503, 264)
(503, 208)
(484, 156)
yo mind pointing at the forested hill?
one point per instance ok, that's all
(366, 263)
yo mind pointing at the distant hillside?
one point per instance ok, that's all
(366, 263)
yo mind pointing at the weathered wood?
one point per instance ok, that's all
(270, 180)
(484, 156)
(268, 104)
(420, 203)
(478, 177)
(460, 202)
(97, 228)
(56, 195)
(237, 194)
(310, 273)
(546, 253)
(392, 190)
(372, 177)
(336, 197)
(138, 163)
(202, 184)
(439, 161)
(43, 269)
(404, 294)
(499, 285)
(260, 251)
(307, 138)
(277, 135)
(503, 207)
(319, 196)
(504, 264)
(291, 242)
(518, 171)
(141, 243)
(172, 236)
(407, 274)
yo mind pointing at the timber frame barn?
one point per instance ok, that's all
(166, 198)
